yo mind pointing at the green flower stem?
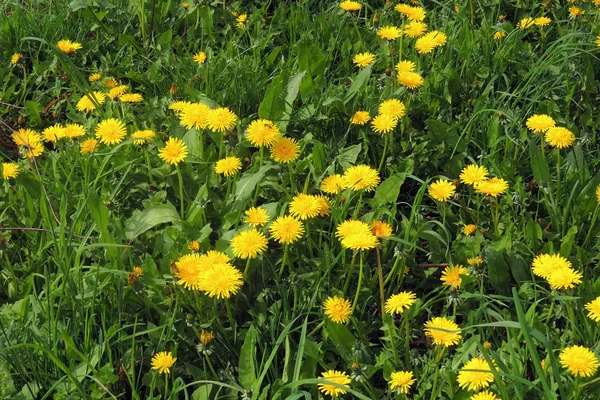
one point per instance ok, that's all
(591, 229)
(229, 185)
(380, 276)
(406, 342)
(230, 315)
(180, 179)
(438, 357)
(558, 183)
(314, 331)
(385, 147)
(201, 133)
(260, 163)
(166, 386)
(149, 165)
(347, 284)
(577, 389)
(393, 270)
(550, 310)
(291, 174)
(358, 205)
(221, 145)
(285, 256)
(360, 278)
(247, 268)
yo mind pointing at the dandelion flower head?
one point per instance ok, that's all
(262, 132)
(579, 361)
(401, 381)
(111, 131)
(397, 303)
(593, 308)
(341, 378)
(334, 184)
(68, 47)
(286, 229)
(472, 174)
(361, 177)
(442, 331)
(221, 280)
(174, 152)
(162, 362)
(337, 309)
(442, 190)
(10, 170)
(560, 137)
(228, 166)
(249, 244)
(285, 150)
(256, 216)
(475, 380)
(384, 123)
(221, 119)
(305, 206)
(364, 59)
(451, 276)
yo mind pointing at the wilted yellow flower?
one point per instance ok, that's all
(442, 331)
(10, 170)
(131, 98)
(194, 245)
(15, 58)
(542, 21)
(200, 57)
(350, 5)
(475, 374)
(143, 136)
(364, 59)
(228, 166)
(384, 123)
(560, 137)
(249, 244)
(220, 280)
(305, 206)
(579, 361)
(86, 103)
(469, 229)
(337, 377)
(540, 123)
(88, 146)
(525, 23)
(286, 230)
(487, 345)
(360, 118)
(397, 303)
(185, 5)
(256, 216)
(194, 116)
(411, 80)
(472, 174)
(492, 187)
(415, 29)
(389, 32)
(392, 107)
(323, 206)
(361, 177)
(285, 150)
(262, 132)
(53, 133)
(111, 131)
(206, 337)
(110, 83)
(499, 35)
(401, 381)
(452, 276)
(442, 190)
(68, 47)
(593, 308)
(174, 152)
(337, 309)
(566, 278)
(381, 228)
(334, 184)
(221, 119)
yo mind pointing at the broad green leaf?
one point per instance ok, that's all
(247, 363)
(149, 218)
(541, 173)
(202, 393)
(273, 104)
(358, 83)
(341, 338)
(498, 269)
(389, 190)
(247, 183)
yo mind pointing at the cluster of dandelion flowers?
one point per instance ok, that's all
(286, 229)
(228, 166)
(305, 206)
(451, 276)
(162, 362)
(384, 123)
(53, 133)
(442, 331)
(560, 137)
(285, 150)
(544, 265)
(430, 41)
(10, 170)
(221, 280)
(86, 103)
(469, 229)
(262, 132)
(333, 184)
(392, 107)
(566, 278)
(360, 118)
(143, 136)
(397, 303)
(200, 57)
(88, 146)
(117, 91)
(486, 395)
(473, 174)
(221, 119)
(361, 177)
(474, 375)
(94, 77)
(442, 190)
(415, 29)
(337, 309)
(249, 244)
(174, 152)
(350, 5)
(15, 58)
(338, 377)
(73, 131)
(412, 13)
(492, 187)
(579, 361)
(389, 32)
(256, 216)
(381, 228)
(363, 59)
(131, 98)
(401, 381)
(526, 23)
(194, 116)
(189, 269)
(68, 47)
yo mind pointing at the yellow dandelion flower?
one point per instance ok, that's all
(221, 280)
(472, 174)
(324, 208)
(88, 146)
(416, 14)
(526, 23)
(305, 206)
(15, 58)
(389, 32)
(249, 244)
(475, 261)
(425, 44)
(352, 227)
(131, 98)
(162, 362)
(544, 265)
(73, 131)
(487, 345)
(241, 20)
(174, 152)
(337, 309)
(393, 107)
(262, 132)
(565, 278)
(94, 77)
(499, 35)
(110, 83)
(361, 177)
(117, 91)
(206, 337)
(189, 270)
(575, 12)
(221, 119)
(212, 257)
(397, 303)
(53, 133)
(405, 66)
(579, 361)
(338, 377)
(540, 123)
(442, 190)
(228, 166)
(360, 241)
(411, 80)
(256, 216)
(560, 137)
(415, 29)
(286, 230)
(185, 5)
(442, 331)
(350, 5)
(285, 150)
(143, 136)
(334, 184)
(200, 57)
(542, 21)
(487, 395)
(194, 245)
(364, 59)
(10, 170)
(179, 106)
(469, 229)
(452, 276)
(401, 381)
(111, 131)
(492, 187)
(381, 228)
(68, 47)
(593, 308)
(598, 193)
(360, 118)
(26, 138)
(475, 374)
(86, 103)
(384, 123)
(194, 116)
